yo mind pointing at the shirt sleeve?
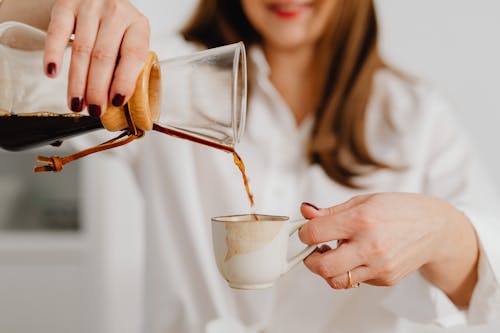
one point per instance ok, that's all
(451, 171)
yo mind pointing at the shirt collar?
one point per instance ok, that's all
(261, 70)
(257, 57)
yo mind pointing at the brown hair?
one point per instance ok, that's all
(347, 61)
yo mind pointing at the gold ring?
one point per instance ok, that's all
(349, 281)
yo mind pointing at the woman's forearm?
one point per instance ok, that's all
(33, 12)
(456, 274)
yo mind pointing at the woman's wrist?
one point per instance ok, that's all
(453, 266)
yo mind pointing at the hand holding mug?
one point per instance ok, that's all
(384, 237)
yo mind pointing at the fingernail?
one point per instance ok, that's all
(118, 100)
(323, 248)
(76, 104)
(94, 110)
(310, 205)
(51, 68)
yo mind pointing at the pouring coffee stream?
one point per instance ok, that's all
(236, 158)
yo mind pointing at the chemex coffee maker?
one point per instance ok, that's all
(174, 96)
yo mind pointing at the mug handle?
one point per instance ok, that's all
(293, 227)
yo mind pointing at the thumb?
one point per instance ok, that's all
(310, 211)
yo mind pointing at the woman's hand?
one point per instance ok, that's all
(111, 40)
(384, 237)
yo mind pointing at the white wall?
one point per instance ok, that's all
(455, 45)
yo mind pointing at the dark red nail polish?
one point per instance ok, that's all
(51, 68)
(94, 110)
(76, 104)
(324, 248)
(118, 100)
(310, 205)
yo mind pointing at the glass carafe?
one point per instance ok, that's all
(200, 97)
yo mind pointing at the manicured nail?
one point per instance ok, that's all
(324, 248)
(118, 100)
(76, 104)
(94, 110)
(51, 68)
(310, 205)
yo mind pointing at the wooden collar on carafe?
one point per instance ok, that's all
(143, 106)
(136, 117)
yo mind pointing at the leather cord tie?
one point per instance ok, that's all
(56, 163)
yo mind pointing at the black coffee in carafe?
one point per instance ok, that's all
(28, 130)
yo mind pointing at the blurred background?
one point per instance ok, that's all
(68, 265)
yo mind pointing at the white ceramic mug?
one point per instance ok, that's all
(251, 249)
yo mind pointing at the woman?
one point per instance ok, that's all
(328, 122)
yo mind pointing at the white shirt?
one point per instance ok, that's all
(184, 185)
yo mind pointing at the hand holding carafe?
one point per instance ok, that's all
(110, 46)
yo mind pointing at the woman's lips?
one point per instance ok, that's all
(289, 10)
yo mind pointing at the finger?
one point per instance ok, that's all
(85, 36)
(310, 211)
(359, 274)
(61, 25)
(102, 65)
(327, 228)
(354, 201)
(334, 262)
(133, 53)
